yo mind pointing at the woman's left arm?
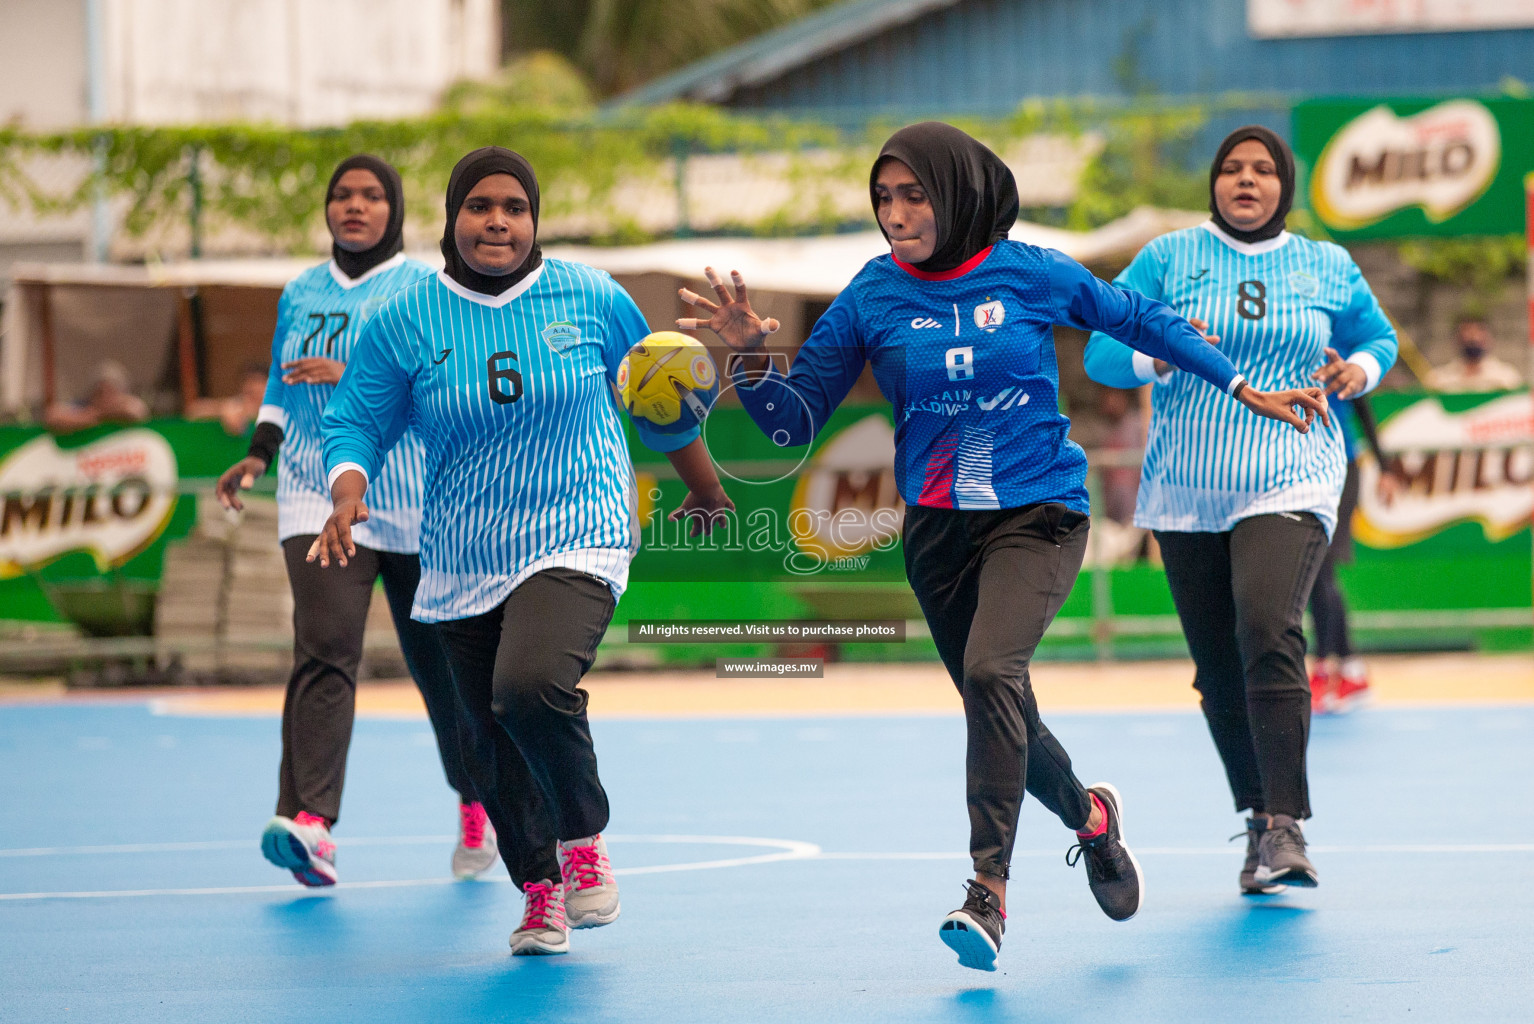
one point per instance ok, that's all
(1151, 327)
(686, 451)
(1364, 344)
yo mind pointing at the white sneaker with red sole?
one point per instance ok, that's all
(302, 845)
(591, 891)
(1350, 688)
(544, 930)
(477, 850)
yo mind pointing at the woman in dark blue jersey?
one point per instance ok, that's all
(956, 323)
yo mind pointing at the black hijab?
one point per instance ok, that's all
(355, 264)
(1283, 162)
(973, 194)
(470, 171)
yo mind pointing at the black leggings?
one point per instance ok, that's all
(1241, 596)
(518, 668)
(989, 584)
(330, 611)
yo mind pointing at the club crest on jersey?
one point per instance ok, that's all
(562, 336)
(989, 315)
(373, 304)
(1304, 284)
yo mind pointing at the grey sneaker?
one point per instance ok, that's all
(476, 851)
(1281, 855)
(591, 891)
(1113, 874)
(1249, 884)
(543, 931)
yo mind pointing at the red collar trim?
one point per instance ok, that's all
(945, 275)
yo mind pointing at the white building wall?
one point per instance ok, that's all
(294, 62)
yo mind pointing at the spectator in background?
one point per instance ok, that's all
(110, 400)
(1475, 368)
(237, 412)
(1125, 435)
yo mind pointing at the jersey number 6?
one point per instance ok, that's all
(510, 375)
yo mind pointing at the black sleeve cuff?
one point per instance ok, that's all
(265, 442)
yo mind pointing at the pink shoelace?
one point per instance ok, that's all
(544, 908)
(472, 819)
(583, 865)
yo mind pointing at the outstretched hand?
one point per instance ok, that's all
(1280, 405)
(732, 317)
(335, 540)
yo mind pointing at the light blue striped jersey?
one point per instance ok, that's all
(322, 313)
(1275, 305)
(511, 396)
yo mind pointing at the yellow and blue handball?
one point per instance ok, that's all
(669, 381)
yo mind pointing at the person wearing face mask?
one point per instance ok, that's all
(319, 318)
(956, 324)
(1244, 512)
(1474, 368)
(503, 365)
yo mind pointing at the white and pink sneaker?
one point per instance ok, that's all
(302, 844)
(544, 930)
(476, 851)
(591, 892)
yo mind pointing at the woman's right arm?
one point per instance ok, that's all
(271, 422)
(790, 409)
(363, 420)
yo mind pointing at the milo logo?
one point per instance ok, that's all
(110, 498)
(1441, 159)
(845, 503)
(1472, 466)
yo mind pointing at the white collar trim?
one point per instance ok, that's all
(1278, 241)
(351, 282)
(494, 301)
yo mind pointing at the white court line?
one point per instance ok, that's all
(213, 844)
(1210, 851)
(785, 849)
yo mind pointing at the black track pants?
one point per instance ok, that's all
(1241, 595)
(330, 610)
(989, 584)
(518, 669)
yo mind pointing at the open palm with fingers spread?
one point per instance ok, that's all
(732, 317)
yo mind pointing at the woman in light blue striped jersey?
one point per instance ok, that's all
(1242, 509)
(502, 365)
(319, 318)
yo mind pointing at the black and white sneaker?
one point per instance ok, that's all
(1281, 856)
(974, 930)
(1249, 885)
(1112, 871)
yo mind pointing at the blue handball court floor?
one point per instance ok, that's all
(773, 869)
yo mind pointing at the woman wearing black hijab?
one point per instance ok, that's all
(502, 363)
(1243, 509)
(319, 320)
(956, 324)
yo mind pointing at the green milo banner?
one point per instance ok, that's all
(1402, 167)
(84, 518)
